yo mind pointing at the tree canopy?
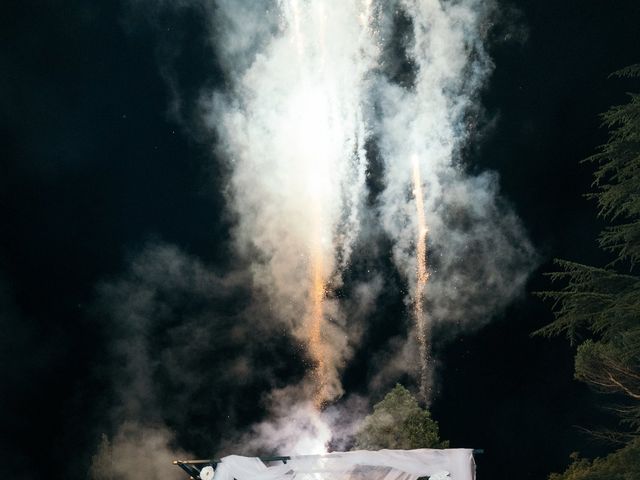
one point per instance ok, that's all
(398, 421)
(598, 308)
(621, 465)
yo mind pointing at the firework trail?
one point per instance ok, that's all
(316, 271)
(328, 254)
(425, 122)
(294, 126)
(315, 325)
(307, 83)
(310, 82)
(422, 276)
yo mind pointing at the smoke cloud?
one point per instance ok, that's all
(187, 356)
(308, 94)
(329, 108)
(478, 252)
(296, 426)
(293, 126)
(477, 243)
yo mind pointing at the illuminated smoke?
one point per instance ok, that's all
(297, 428)
(307, 87)
(308, 83)
(479, 254)
(315, 327)
(422, 276)
(293, 126)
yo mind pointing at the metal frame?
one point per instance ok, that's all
(193, 467)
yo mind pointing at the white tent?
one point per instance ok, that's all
(454, 464)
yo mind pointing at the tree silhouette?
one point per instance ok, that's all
(599, 308)
(398, 422)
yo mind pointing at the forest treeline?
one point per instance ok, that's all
(598, 307)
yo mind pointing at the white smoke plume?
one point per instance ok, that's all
(309, 84)
(297, 427)
(308, 88)
(294, 130)
(293, 425)
(478, 253)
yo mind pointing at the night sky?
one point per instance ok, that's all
(102, 169)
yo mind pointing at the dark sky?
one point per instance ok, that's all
(95, 165)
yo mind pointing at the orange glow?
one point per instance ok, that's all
(422, 276)
(317, 347)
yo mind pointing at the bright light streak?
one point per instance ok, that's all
(324, 128)
(422, 277)
(317, 345)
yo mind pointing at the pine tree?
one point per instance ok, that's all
(599, 308)
(398, 422)
(621, 465)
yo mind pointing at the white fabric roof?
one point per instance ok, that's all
(456, 464)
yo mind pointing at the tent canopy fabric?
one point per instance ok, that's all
(454, 464)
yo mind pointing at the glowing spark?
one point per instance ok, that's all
(422, 276)
(312, 131)
(298, 137)
(315, 108)
(317, 348)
